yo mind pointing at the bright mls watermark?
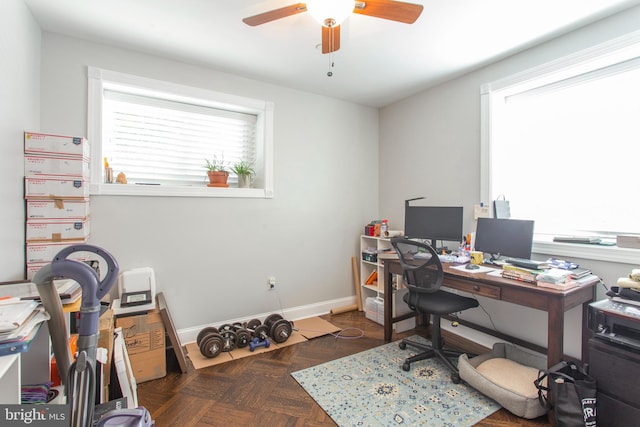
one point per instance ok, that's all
(35, 415)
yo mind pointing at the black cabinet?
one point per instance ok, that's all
(617, 372)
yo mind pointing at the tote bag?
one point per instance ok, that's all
(573, 395)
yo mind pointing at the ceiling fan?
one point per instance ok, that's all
(331, 13)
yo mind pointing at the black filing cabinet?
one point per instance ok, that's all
(616, 369)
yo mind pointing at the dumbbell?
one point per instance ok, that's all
(210, 342)
(279, 328)
(257, 342)
(229, 337)
(242, 334)
(257, 329)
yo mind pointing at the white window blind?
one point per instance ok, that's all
(160, 141)
(561, 142)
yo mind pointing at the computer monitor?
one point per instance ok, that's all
(433, 223)
(504, 237)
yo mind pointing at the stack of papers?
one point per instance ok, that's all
(554, 275)
(19, 323)
(14, 312)
(556, 278)
(68, 290)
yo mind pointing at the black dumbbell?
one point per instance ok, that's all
(279, 328)
(243, 336)
(229, 339)
(257, 329)
(210, 342)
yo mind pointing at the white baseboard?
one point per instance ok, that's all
(188, 335)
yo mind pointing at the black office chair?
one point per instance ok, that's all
(422, 274)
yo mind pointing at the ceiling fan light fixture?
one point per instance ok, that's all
(330, 12)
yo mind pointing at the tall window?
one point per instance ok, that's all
(561, 142)
(160, 135)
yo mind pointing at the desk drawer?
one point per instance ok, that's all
(482, 289)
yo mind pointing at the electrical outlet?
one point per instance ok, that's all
(271, 283)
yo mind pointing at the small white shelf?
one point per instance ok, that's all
(380, 245)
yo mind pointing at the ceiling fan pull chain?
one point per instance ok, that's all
(331, 46)
(331, 65)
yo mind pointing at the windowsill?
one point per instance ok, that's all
(595, 252)
(177, 191)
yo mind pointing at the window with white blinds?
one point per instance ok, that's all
(166, 142)
(160, 135)
(560, 142)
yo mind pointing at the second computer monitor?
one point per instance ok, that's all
(434, 223)
(504, 237)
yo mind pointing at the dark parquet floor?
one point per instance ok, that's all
(259, 391)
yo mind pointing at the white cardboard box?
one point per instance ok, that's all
(40, 143)
(33, 267)
(57, 209)
(56, 188)
(45, 252)
(57, 230)
(49, 166)
(374, 310)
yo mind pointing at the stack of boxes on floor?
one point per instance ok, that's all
(57, 196)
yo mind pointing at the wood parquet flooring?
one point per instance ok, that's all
(259, 390)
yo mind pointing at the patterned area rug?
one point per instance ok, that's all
(371, 389)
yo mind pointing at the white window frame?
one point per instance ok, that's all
(98, 79)
(583, 61)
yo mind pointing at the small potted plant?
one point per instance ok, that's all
(244, 170)
(217, 172)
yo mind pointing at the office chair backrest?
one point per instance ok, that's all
(421, 267)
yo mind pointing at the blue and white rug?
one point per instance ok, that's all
(371, 389)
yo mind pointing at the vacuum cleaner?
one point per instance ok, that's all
(79, 376)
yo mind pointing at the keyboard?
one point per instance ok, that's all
(525, 263)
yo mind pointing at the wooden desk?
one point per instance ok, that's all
(554, 302)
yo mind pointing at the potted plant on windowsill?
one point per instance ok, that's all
(245, 171)
(217, 172)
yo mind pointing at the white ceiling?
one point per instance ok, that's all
(379, 61)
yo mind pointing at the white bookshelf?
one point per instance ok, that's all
(381, 245)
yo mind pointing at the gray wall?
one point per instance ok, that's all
(212, 256)
(19, 110)
(430, 146)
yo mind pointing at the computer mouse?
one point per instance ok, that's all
(472, 267)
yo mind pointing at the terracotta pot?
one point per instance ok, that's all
(218, 178)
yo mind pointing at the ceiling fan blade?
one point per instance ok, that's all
(330, 39)
(272, 15)
(388, 9)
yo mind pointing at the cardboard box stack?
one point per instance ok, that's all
(56, 190)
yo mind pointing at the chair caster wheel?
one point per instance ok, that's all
(402, 346)
(406, 367)
(455, 378)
